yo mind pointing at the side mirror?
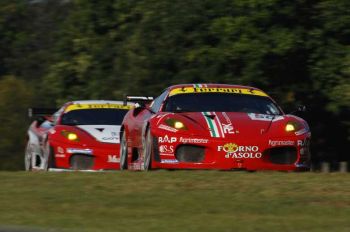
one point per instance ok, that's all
(39, 120)
(301, 108)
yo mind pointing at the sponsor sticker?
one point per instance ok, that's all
(169, 161)
(97, 106)
(168, 149)
(111, 138)
(60, 150)
(193, 140)
(79, 150)
(274, 143)
(235, 151)
(302, 131)
(60, 155)
(113, 159)
(168, 128)
(303, 143)
(167, 139)
(264, 117)
(227, 127)
(171, 139)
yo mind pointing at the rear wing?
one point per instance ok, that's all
(40, 112)
(138, 100)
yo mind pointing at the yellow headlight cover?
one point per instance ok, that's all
(71, 136)
(177, 124)
(290, 127)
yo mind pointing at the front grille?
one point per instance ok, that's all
(81, 162)
(282, 155)
(189, 153)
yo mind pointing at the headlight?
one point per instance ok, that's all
(175, 124)
(292, 126)
(71, 136)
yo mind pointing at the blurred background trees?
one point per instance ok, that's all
(52, 51)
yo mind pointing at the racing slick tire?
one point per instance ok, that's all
(148, 151)
(48, 159)
(123, 153)
(28, 157)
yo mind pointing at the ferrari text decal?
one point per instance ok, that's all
(96, 106)
(234, 151)
(186, 90)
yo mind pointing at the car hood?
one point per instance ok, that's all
(230, 124)
(103, 133)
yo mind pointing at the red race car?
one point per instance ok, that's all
(213, 126)
(81, 135)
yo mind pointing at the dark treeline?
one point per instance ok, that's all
(52, 51)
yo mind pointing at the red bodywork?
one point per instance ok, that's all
(93, 150)
(250, 141)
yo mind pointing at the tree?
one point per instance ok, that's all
(15, 99)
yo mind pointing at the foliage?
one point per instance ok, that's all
(14, 101)
(297, 51)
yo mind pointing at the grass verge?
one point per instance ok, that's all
(175, 201)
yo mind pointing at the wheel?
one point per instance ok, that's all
(28, 157)
(123, 153)
(48, 159)
(148, 151)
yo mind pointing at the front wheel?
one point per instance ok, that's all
(148, 151)
(28, 157)
(123, 153)
(48, 160)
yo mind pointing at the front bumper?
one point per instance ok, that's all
(267, 153)
(85, 157)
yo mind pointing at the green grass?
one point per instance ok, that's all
(176, 201)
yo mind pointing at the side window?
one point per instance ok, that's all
(157, 103)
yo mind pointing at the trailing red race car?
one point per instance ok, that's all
(81, 135)
(213, 126)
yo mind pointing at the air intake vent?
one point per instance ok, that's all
(81, 162)
(190, 153)
(282, 155)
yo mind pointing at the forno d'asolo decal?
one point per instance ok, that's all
(237, 152)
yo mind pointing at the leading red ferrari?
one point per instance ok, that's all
(213, 126)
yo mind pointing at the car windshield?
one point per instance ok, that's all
(220, 102)
(94, 117)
